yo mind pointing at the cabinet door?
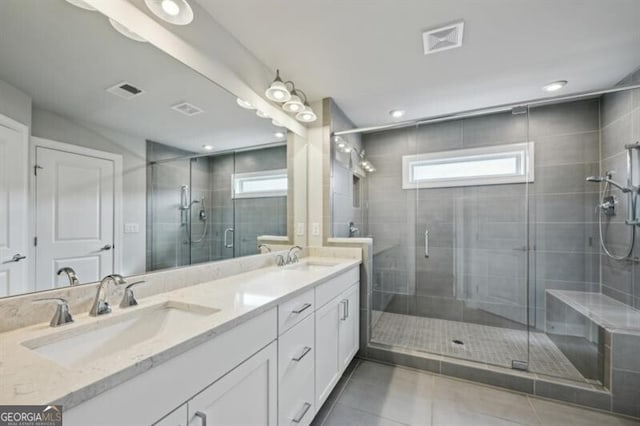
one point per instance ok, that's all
(327, 357)
(176, 418)
(349, 325)
(247, 395)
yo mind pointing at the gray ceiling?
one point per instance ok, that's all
(65, 57)
(367, 54)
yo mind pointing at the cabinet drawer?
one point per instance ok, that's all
(337, 285)
(296, 360)
(295, 310)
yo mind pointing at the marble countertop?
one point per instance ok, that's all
(27, 377)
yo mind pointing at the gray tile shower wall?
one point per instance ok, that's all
(477, 266)
(165, 222)
(620, 126)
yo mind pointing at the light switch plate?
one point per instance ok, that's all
(300, 228)
(315, 229)
(131, 228)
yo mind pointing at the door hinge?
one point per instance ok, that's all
(35, 241)
(35, 169)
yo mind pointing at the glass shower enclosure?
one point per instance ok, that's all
(475, 222)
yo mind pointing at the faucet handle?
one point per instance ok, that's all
(62, 315)
(129, 299)
(280, 261)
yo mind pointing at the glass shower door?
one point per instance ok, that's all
(471, 257)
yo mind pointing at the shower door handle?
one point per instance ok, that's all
(228, 244)
(426, 243)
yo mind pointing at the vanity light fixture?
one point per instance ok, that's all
(126, 31)
(306, 115)
(347, 148)
(554, 86)
(396, 113)
(244, 104)
(262, 114)
(277, 123)
(177, 12)
(293, 100)
(294, 104)
(277, 91)
(81, 4)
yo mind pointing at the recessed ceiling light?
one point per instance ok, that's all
(177, 12)
(556, 85)
(244, 104)
(396, 113)
(279, 135)
(207, 147)
(81, 4)
(125, 31)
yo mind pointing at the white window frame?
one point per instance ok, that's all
(237, 179)
(523, 152)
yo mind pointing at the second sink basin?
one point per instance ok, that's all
(107, 336)
(311, 266)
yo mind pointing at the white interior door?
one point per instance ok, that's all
(13, 211)
(75, 204)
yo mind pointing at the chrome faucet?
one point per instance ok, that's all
(62, 315)
(292, 256)
(353, 230)
(265, 246)
(71, 274)
(100, 304)
(129, 299)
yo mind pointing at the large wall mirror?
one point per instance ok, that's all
(115, 157)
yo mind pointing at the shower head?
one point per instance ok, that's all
(596, 179)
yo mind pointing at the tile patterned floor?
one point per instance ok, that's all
(372, 394)
(490, 345)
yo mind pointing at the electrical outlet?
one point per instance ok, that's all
(300, 228)
(315, 229)
(131, 228)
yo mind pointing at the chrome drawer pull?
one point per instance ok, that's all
(305, 351)
(302, 309)
(300, 416)
(202, 416)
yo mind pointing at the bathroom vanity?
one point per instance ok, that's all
(261, 347)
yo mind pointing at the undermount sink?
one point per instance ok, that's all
(311, 266)
(107, 336)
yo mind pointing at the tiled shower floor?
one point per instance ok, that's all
(490, 345)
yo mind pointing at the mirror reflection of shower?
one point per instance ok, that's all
(607, 204)
(186, 209)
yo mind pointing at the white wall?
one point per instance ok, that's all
(46, 124)
(15, 104)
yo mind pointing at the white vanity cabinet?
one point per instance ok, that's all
(247, 395)
(337, 330)
(211, 369)
(275, 369)
(296, 366)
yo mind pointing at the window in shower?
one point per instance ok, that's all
(463, 167)
(269, 183)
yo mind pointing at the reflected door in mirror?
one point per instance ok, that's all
(75, 216)
(13, 217)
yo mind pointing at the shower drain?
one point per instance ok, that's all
(458, 342)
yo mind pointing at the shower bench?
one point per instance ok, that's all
(599, 335)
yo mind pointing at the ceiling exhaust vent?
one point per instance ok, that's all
(443, 38)
(125, 90)
(187, 109)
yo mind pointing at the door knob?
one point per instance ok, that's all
(107, 247)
